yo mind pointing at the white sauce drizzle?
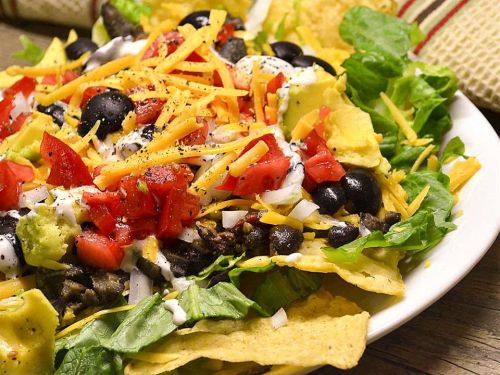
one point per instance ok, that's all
(114, 49)
(66, 200)
(293, 258)
(178, 283)
(179, 315)
(9, 262)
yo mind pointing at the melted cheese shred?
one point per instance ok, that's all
(140, 161)
(238, 167)
(405, 127)
(461, 172)
(105, 70)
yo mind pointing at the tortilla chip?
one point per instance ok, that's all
(376, 271)
(318, 332)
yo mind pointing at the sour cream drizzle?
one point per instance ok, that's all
(179, 315)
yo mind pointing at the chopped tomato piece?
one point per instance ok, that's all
(170, 224)
(276, 83)
(12, 175)
(267, 174)
(67, 167)
(67, 76)
(25, 85)
(142, 228)
(321, 166)
(102, 219)
(226, 32)
(6, 106)
(137, 201)
(122, 234)
(162, 178)
(148, 110)
(97, 250)
(191, 208)
(198, 137)
(173, 39)
(90, 92)
(109, 199)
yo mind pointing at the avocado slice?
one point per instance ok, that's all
(27, 337)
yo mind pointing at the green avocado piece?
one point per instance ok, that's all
(26, 142)
(27, 336)
(45, 238)
(305, 98)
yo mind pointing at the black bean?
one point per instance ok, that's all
(54, 110)
(341, 235)
(110, 108)
(286, 50)
(284, 240)
(362, 191)
(330, 197)
(79, 47)
(307, 60)
(148, 131)
(371, 222)
(116, 25)
(256, 241)
(233, 50)
(236, 21)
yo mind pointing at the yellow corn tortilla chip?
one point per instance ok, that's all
(314, 335)
(376, 271)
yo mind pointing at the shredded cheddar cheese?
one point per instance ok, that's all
(12, 287)
(275, 218)
(405, 127)
(239, 166)
(207, 179)
(150, 248)
(218, 206)
(427, 151)
(461, 172)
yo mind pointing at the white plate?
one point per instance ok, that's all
(477, 228)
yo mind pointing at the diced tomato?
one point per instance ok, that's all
(97, 250)
(109, 199)
(321, 166)
(67, 167)
(162, 178)
(6, 106)
(245, 105)
(136, 204)
(90, 92)
(217, 80)
(122, 234)
(140, 229)
(12, 175)
(226, 32)
(276, 83)
(267, 174)
(25, 85)
(148, 110)
(191, 208)
(102, 219)
(67, 76)
(198, 137)
(173, 39)
(170, 224)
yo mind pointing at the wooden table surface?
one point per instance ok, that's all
(459, 334)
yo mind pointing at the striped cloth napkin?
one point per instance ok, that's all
(462, 34)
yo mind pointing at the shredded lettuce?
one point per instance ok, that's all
(222, 263)
(455, 147)
(31, 52)
(416, 234)
(90, 360)
(131, 9)
(259, 41)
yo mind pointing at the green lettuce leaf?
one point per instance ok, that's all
(405, 156)
(222, 263)
(235, 273)
(222, 301)
(146, 323)
(417, 234)
(284, 286)
(131, 9)
(90, 360)
(30, 52)
(455, 147)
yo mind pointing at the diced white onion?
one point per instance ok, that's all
(231, 218)
(188, 235)
(33, 196)
(364, 231)
(141, 286)
(293, 258)
(20, 105)
(257, 15)
(303, 210)
(279, 319)
(286, 195)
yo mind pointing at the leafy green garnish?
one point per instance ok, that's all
(222, 263)
(280, 30)
(416, 234)
(455, 147)
(259, 41)
(146, 323)
(131, 10)
(30, 52)
(90, 360)
(284, 286)
(223, 300)
(235, 273)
